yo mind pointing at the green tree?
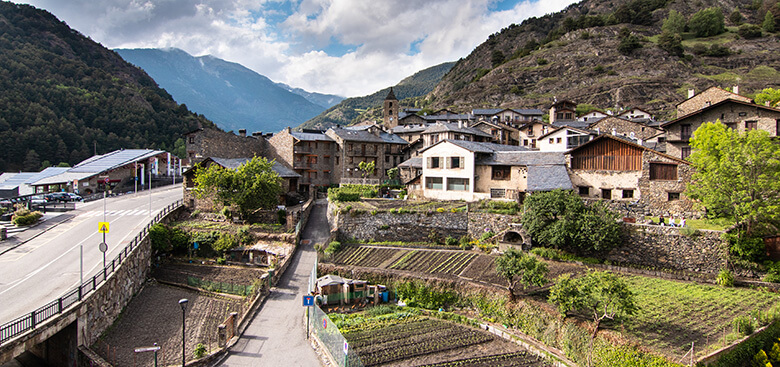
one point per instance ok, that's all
(736, 17)
(497, 58)
(769, 22)
(560, 219)
(367, 168)
(32, 162)
(671, 43)
(737, 176)
(253, 185)
(628, 42)
(674, 23)
(585, 108)
(393, 173)
(770, 95)
(707, 22)
(600, 294)
(513, 263)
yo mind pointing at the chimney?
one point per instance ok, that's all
(552, 114)
(614, 131)
(735, 90)
(639, 142)
(257, 133)
(598, 131)
(242, 133)
(287, 129)
(691, 93)
(460, 124)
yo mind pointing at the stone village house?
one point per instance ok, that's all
(311, 154)
(464, 170)
(613, 168)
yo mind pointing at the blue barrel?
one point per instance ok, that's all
(384, 296)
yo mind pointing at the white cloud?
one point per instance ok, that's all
(291, 51)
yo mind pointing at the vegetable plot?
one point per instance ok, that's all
(412, 339)
(524, 359)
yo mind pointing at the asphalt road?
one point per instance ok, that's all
(276, 335)
(48, 266)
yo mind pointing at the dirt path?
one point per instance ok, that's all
(277, 335)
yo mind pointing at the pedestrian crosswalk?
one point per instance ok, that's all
(115, 213)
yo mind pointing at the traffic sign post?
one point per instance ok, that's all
(308, 302)
(103, 228)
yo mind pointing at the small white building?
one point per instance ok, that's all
(563, 139)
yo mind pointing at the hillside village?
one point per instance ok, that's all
(503, 154)
(546, 232)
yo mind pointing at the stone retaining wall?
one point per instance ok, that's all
(407, 227)
(665, 247)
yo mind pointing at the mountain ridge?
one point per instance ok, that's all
(228, 93)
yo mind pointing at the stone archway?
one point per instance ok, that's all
(512, 237)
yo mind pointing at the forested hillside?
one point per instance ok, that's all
(619, 54)
(352, 110)
(64, 96)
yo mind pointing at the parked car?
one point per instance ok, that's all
(6, 203)
(74, 197)
(38, 199)
(58, 196)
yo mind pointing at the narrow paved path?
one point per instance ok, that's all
(277, 334)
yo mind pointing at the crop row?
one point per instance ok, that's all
(522, 359)
(447, 338)
(363, 256)
(434, 261)
(387, 333)
(386, 338)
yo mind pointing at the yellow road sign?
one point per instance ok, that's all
(103, 227)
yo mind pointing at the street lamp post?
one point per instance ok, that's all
(183, 304)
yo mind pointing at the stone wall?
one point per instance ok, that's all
(204, 143)
(480, 223)
(666, 248)
(625, 127)
(408, 227)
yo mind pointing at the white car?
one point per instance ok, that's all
(37, 199)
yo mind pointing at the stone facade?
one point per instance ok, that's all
(667, 248)
(735, 114)
(368, 145)
(707, 98)
(204, 143)
(312, 155)
(625, 127)
(652, 179)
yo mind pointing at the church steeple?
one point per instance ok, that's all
(391, 107)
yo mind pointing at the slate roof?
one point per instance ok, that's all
(479, 147)
(522, 158)
(581, 131)
(486, 111)
(455, 127)
(416, 162)
(408, 129)
(547, 178)
(533, 111)
(714, 105)
(311, 136)
(362, 135)
(573, 123)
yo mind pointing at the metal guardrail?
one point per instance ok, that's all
(29, 322)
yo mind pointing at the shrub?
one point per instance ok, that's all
(725, 278)
(281, 216)
(718, 51)
(221, 260)
(384, 226)
(374, 212)
(205, 241)
(419, 294)
(225, 242)
(465, 243)
(434, 237)
(690, 232)
(772, 273)
(707, 22)
(745, 247)
(24, 217)
(487, 235)
(352, 192)
(451, 241)
(333, 248)
(628, 44)
(743, 325)
(200, 350)
(243, 236)
(440, 210)
(749, 31)
(540, 61)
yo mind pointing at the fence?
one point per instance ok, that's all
(331, 339)
(30, 321)
(230, 288)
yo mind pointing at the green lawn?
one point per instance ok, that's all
(673, 314)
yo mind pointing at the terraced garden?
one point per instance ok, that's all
(416, 340)
(434, 262)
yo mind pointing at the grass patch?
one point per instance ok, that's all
(674, 314)
(497, 207)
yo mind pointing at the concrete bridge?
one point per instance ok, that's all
(54, 332)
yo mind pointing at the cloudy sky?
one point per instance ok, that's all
(344, 47)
